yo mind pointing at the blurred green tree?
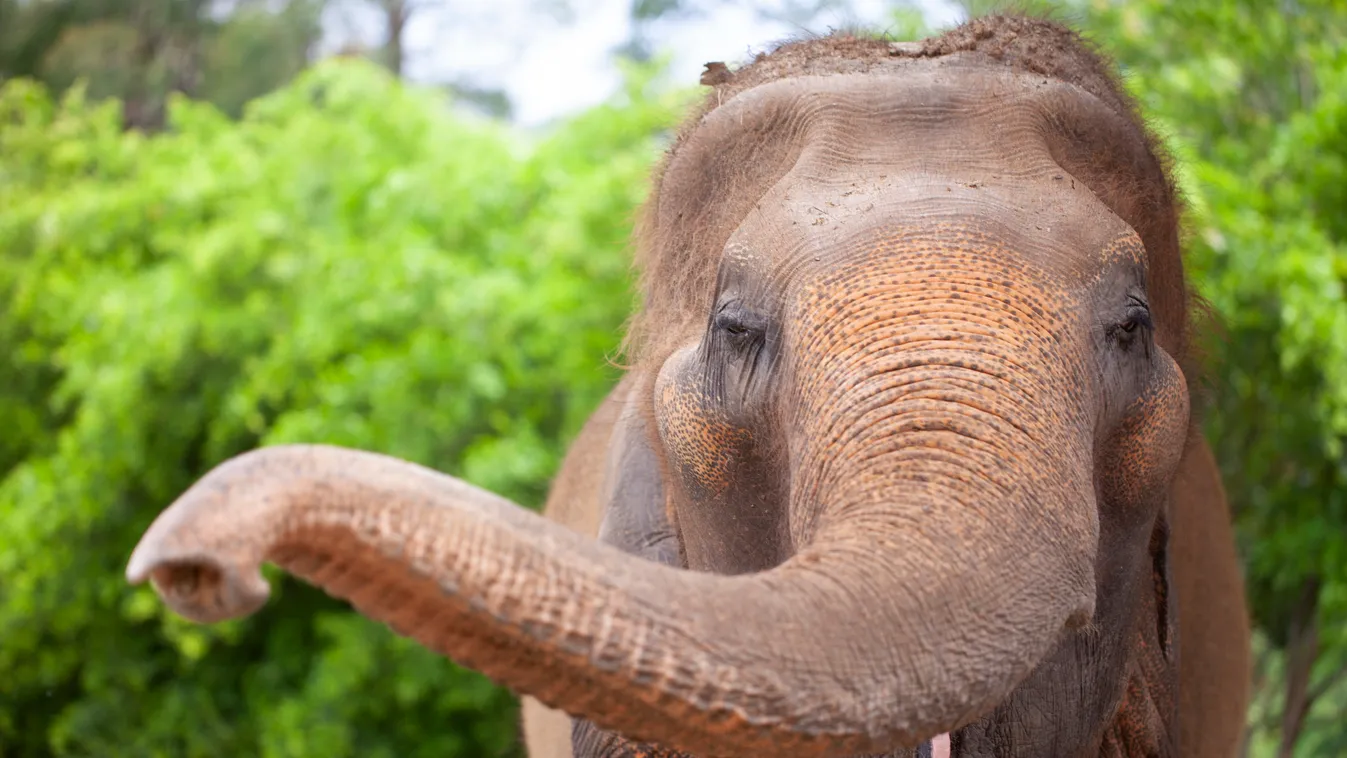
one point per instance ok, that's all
(350, 263)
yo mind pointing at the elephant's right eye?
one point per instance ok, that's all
(738, 350)
(738, 324)
(1135, 324)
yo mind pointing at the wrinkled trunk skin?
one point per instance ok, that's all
(708, 664)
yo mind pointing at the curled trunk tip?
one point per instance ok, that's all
(198, 554)
(203, 589)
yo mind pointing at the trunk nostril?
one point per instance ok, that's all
(202, 588)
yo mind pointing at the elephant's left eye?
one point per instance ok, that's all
(734, 327)
(1136, 322)
(738, 353)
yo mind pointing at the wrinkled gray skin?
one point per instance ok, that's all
(906, 452)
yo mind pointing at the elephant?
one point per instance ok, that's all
(905, 461)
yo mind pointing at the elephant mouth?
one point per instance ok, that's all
(596, 743)
(936, 748)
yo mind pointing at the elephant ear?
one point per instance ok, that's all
(1146, 718)
(636, 520)
(636, 517)
(1166, 610)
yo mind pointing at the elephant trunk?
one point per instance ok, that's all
(840, 650)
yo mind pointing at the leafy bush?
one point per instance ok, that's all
(351, 263)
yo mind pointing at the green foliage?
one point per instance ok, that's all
(350, 264)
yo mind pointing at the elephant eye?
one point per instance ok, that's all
(734, 327)
(1136, 323)
(738, 324)
(738, 352)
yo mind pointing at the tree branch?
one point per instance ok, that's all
(1302, 647)
(1328, 683)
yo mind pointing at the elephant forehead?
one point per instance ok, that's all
(936, 275)
(835, 157)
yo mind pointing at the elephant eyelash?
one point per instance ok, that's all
(1139, 315)
(737, 324)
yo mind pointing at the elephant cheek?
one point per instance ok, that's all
(701, 445)
(1150, 440)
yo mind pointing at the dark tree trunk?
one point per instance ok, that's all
(140, 111)
(396, 12)
(1302, 648)
(167, 58)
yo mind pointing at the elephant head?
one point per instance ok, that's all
(910, 364)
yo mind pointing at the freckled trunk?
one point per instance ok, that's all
(930, 460)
